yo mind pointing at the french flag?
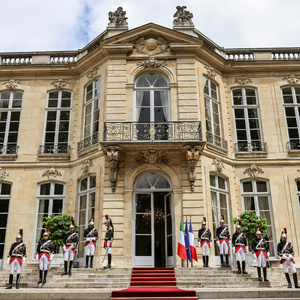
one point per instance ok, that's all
(192, 243)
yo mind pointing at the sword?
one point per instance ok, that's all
(104, 255)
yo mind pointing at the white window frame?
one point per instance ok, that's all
(51, 197)
(298, 191)
(91, 101)
(245, 108)
(255, 195)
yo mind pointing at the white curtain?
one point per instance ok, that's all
(139, 101)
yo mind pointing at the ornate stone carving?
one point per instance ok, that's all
(211, 71)
(92, 73)
(117, 18)
(183, 17)
(291, 78)
(253, 171)
(152, 63)
(152, 157)
(3, 174)
(12, 84)
(60, 83)
(243, 80)
(151, 46)
(86, 166)
(52, 173)
(113, 158)
(217, 162)
(192, 156)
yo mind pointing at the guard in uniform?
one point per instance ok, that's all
(204, 241)
(286, 252)
(223, 239)
(239, 243)
(109, 236)
(260, 250)
(69, 249)
(91, 236)
(16, 258)
(44, 250)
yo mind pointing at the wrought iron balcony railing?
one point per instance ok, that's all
(216, 140)
(9, 150)
(293, 145)
(60, 149)
(87, 142)
(251, 147)
(153, 132)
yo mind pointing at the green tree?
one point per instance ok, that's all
(58, 226)
(250, 221)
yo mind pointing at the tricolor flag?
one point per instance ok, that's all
(187, 242)
(192, 243)
(181, 251)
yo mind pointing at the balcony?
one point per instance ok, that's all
(251, 147)
(188, 131)
(60, 149)
(216, 141)
(8, 152)
(293, 146)
(87, 142)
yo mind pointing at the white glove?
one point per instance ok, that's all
(24, 260)
(7, 261)
(64, 248)
(36, 257)
(229, 242)
(88, 239)
(72, 246)
(51, 257)
(247, 248)
(218, 243)
(291, 256)
(233, 248)
(93, 239)
(284, 256)
(268, 254)
(199, 244)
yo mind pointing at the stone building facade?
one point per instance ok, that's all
(150, 126)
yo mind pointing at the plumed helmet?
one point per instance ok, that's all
(46, 231)
(283, 233)
(239, 225)
(107, 220)
(258, 230)
(92, 221)
(20, 235)
(72, 224)
(222, 219)
(204, 221)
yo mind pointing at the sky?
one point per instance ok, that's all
(46, 25)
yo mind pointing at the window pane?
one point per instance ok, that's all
(2, 237)
(5, 189)
(247, 187)
(92, 200)
(263, 203)
(143, 245)
(221, 183)
(212, 180)
(223, 202)
(249, 203)
(83, 184)
(261, 186)
(82, 202)
(214, 202)
(143, 203)
(92, 181)
(143, 224)
(44, 206)
(298, 186)
(57, 206)
(45, 189)
(4, 205)
(3, 220)
(58, 189)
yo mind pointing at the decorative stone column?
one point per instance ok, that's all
(113, 155)
(192, 156)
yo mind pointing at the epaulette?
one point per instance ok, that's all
(110, 228)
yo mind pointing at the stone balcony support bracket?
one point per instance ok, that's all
(113, 155)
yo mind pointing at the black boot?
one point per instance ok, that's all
(11, 277)
(222, 260)
(296, 281)
(45, 276)
(239, 267)
(109, 262)
(259, 273)
(92, 258)
(244, 267)
(207, 259)
(203, 258)
(265, 274)
(70, 267)
(86, 261)
(66, 267)
(227, 260)
(18, 281)
(287, 276)
(41, 277)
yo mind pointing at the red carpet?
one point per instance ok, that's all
(155, 283)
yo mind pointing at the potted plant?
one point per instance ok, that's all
(250, 221)
(58, 226)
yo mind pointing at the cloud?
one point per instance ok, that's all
(37, 25)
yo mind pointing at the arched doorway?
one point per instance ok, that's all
(153, 213)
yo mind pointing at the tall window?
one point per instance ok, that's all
(86, 207)
(50, 201)
(91, 109)
(247, 120)
(291, 103)
(5, 191)
(219, 203)
(212, 112)
(58, 115)
(10, 112)
(298, 191)
(152, 107)
(257, 198)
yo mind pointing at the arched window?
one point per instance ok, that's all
(10, 112)
(50, 201)
(58, 116)
(291, 103)
(152, 107)
(86, 207)
(152, 181)
(257, 198)
(247, 120)
(5, 192)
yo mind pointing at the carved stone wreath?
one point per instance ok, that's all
(253, 171)
(217, 162)
(86, 166)
(12, 84)
(152, 157)
(151, 63)
(291, 78)
(211, 71)
(3, 174)
(92, 73)
(52, 173)
(151, 46)
(243, 80)
(60, 83)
